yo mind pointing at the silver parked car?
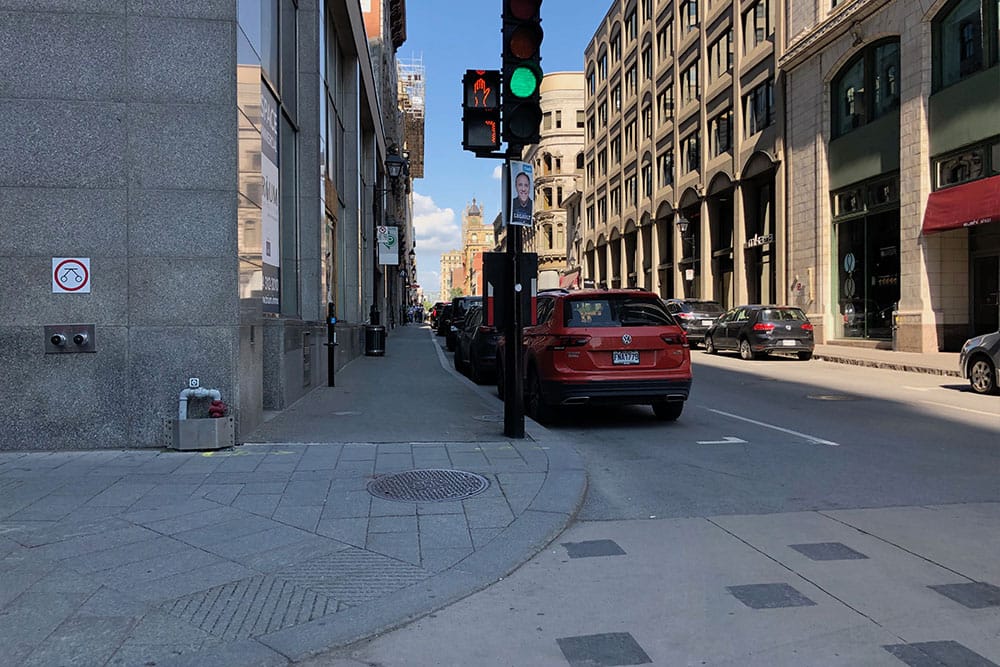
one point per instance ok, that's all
(980, 362)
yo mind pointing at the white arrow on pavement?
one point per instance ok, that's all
(729, 440)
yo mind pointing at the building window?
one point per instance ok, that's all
(590, 217)
(630, 137)
(602, 163)
(647, 63)
(759, 105)
(616, 48)
(665, 168)
(616, 98)
(647, 122)
(580, 118)
(602, 114)
(757, 25)
(874, 70)
(690, 90)
(616, 150)
(616, 202)
(579, 161)
(631, 27)
(720, 56)
(630, 191)
(968, 165)
(602, 67)
(721, 133)
(647, 180)
(591, 84)
(591, 129)
(665, 42)
(631, 78)
(558, 119)
(966, 36)
(547, 120)
(689, 15)
(691, 152)
(602, 210)
(665, 105)
(590, 173)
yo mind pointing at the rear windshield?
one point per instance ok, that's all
(706, 307)
(616, 311)
(782, 314)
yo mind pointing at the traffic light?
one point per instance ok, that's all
(481, 110)
(522, 72)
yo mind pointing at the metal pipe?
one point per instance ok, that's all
(200, 392)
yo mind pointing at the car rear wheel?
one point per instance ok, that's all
(805, 356)
(710, 345)
(668, 411)
(534, 402)
(475, 372)
(458, 360)
(746, 352)
(982, 376)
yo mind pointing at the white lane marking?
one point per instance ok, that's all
(955, 407)
(812, 439)
(727, 440)
(920, 388)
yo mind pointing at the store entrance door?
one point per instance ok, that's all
(985, 294)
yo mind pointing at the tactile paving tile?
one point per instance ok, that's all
(353, 576)
(250, 607)
(974, 595)
(936, 654)
(592, 548)
(604, 650)
(769, 596)
(828, 551)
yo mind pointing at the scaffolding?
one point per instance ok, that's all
(410, 97)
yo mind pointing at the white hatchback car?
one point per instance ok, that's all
(980, 362)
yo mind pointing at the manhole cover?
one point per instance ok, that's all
(489, 418)
(830, 397)
(428, 486)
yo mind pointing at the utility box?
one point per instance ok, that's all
(202, 434)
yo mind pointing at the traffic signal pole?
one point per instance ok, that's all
(513, 399)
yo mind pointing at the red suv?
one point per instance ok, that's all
(604, 347)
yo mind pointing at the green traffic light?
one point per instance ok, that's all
(523, 82)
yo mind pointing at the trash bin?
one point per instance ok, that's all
(374, 340)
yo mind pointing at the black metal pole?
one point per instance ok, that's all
(513, 402)
(331, 344)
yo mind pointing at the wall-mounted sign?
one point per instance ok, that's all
(71, 275)
(388, 245)
(759, 240)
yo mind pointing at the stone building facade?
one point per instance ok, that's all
(220, 167)
(558, 161)
(893, 145)
(683, 162)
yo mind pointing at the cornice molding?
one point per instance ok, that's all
(827, 31)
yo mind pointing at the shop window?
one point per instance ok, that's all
(867, 88)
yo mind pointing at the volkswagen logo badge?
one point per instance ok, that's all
(788, 327)
(627, 339)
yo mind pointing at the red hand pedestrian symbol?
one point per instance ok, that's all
(480, 92)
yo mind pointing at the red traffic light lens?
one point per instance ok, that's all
(524, 41)
(523, 9)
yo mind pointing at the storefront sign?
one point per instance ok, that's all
(759, 240)
(270, 250)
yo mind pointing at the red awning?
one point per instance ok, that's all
(968, 205)
(570, 280)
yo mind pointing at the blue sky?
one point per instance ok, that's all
(451, 37)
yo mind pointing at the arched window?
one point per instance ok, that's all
(866, 88)
(579, 161)
(966, 33)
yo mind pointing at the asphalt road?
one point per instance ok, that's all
(781, 435)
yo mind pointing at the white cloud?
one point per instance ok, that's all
(498, 172)
(437, 229)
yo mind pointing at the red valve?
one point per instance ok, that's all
(217, 409)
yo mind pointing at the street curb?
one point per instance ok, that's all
(888, 365)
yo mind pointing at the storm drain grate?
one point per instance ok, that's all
(428, 486)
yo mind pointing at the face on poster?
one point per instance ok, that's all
(522, 187)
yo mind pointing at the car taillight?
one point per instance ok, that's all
(562, 342)
(763, 326)
(487, 330)
(685, 316)
(674, 338)
(807, 326)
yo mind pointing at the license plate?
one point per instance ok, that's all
(789, 343)
(624, 357)
(706, 323)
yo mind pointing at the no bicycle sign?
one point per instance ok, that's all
(70, 275)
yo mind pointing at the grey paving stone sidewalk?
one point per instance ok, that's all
(254, 555)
